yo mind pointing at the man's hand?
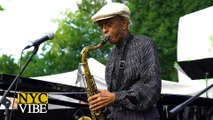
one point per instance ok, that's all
(14, 102)
(101, 100)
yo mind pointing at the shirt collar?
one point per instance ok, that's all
(122, 43)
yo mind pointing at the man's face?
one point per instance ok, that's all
(116, 27)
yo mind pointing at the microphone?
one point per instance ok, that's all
(37, 42)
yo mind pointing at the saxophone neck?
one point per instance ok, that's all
(86, 49)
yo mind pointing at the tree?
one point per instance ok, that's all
(159, 20)
(1, 8)
(8, 65)
(75, 31)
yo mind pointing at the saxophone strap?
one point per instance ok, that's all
(122, 61)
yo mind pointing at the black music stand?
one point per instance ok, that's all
(196, 69)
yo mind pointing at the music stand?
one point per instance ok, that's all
(196, 69)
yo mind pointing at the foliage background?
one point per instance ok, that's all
(155, 18)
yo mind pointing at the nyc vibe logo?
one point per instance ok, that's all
(33, 102)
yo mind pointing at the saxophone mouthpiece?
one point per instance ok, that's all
(105, 40)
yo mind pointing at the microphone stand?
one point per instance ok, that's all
(4, 100)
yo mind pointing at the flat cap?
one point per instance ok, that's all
(110, 10)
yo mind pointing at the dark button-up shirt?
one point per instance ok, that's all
(140, 85)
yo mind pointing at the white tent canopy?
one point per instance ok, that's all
(70, 78)
(97, 70)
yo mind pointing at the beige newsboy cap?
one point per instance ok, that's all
(110, 10)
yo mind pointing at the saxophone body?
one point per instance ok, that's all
(91, 87)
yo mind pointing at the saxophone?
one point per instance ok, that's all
(91, 87)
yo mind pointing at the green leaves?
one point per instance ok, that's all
(1, 8)
(8, 65)
(74, 32)
(159, 20)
